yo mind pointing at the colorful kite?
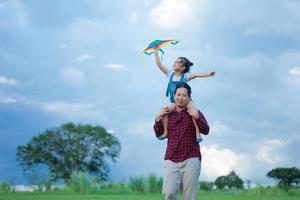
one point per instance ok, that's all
(158, 44)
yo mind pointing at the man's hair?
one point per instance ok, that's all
(186, 86)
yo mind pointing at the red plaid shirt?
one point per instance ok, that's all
(182, 142)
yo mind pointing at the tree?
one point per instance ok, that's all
(71, 148)
(206, 185)
(285, 176)
(232, 180)
(220, 182)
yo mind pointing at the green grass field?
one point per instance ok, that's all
(201, 195)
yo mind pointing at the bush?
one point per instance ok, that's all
(159, 184)
(5, 187)
(206, 185)
(81, 183)
(116, 187)
(137, 184)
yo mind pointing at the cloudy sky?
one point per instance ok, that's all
(80, 61)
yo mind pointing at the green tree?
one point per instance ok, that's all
(285, 176)
(152, 183)
(234, 181)
(71, 148)
(220, 182)
(206, 185)
(137, 184)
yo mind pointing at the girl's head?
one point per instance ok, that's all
(182, 64)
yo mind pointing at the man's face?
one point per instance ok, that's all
(181, 97)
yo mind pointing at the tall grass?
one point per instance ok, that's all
(80, 182)
(5, 187)
(137, 184)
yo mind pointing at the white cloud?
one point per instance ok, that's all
(74, 111)
(114, 66)
(219, 162)
(219, 128)
(295, 71)
(268, 151)
(110, 131)
(73, 76)
(174, 13)
(8, 100)
(84, 57)
(141, 128)
(7, 81)
(63, 107)
(147, 3)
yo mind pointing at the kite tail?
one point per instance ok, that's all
(148, 53)
(162, 53)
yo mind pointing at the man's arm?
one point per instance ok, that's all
(158, 125)
(200, 120)
(158, 128)
(202, 123)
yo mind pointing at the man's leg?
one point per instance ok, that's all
(190, 177)
(171, 180)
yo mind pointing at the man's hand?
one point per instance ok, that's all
(162, 113)
(193, 111)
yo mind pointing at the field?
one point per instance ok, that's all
(148, 196)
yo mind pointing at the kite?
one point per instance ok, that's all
(158, 44)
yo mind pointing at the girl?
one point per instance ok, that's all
(180, 73)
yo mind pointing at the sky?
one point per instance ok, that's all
(81, 61)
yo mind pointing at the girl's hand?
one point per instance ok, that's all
(162, 113)
(212, 73)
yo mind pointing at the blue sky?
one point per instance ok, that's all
(81, 61)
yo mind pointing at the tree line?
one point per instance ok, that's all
(71, 148)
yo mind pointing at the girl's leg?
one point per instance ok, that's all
(170, 107)
(165, 124)
(198, 134)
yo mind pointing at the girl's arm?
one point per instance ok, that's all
(159, 64)
(198, 75)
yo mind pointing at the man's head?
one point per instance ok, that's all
(182, 94)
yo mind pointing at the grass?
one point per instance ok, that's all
(215, 195)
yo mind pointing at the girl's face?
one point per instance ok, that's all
(178, 65)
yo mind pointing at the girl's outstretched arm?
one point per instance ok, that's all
(159, 64)
(198, 75)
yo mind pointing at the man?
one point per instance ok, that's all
(183, 158)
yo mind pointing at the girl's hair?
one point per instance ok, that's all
(186, 63)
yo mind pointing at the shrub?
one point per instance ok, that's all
(81, 183)
(206, 185)
(137, 184)
(5, 187)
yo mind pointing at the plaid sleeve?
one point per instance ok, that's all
(202, 124)
(158, 128)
